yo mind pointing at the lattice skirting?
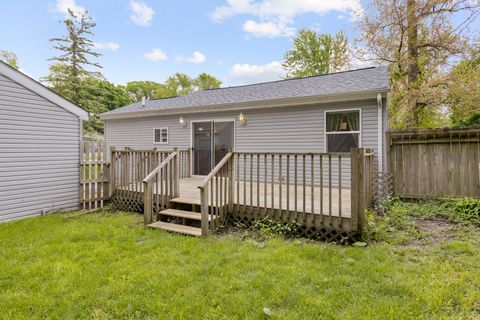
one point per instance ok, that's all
(314, 232)
(128, 200)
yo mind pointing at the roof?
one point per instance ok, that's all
(374, 79)
(35, 86)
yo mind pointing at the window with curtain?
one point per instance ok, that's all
(160, 135)
(343, 130)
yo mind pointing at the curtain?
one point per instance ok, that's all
(353, 121)
(333, 121)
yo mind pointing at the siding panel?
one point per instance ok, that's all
(39, 154)
(289, 129)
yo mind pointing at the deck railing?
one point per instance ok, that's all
(161, 185)
(216, 195)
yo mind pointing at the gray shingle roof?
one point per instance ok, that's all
(361, 80)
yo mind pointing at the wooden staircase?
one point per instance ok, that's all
(184, 217)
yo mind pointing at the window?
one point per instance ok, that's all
(342, 130)
(160, 135)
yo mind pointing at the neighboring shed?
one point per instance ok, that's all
(40, 134)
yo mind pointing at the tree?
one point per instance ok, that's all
(148, 89)
(70, 67)
(179, 84)
(206, 81)
(463, 91)
(418, 40)
(9, 58)
(314, 54)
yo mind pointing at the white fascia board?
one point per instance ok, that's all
(42, 91)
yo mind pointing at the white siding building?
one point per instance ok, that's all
(40, 134)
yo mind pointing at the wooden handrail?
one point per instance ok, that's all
(215, 170)
(151, 175)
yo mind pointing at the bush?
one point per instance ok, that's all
(268, 228)
(467, 209)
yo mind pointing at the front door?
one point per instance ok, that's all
(210, 143)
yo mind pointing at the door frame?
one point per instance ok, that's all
(209, 120)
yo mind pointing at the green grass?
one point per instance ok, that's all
(108, 266)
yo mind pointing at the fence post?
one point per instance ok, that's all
(112, 171)
(354, 191)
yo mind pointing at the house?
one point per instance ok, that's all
(40, 134)
(327, 113)
(285, 149)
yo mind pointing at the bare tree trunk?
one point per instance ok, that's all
(413, 64)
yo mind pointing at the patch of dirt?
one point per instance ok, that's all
(434, 231)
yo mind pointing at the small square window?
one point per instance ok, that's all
(160, 135)
(342, 130)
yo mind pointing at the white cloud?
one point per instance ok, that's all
(142, 14)
(284, 10)
(251, 73)
(155, 55)
(196, 58)
(62, 6)
(268, 29)
(277, 16)
(106, 46)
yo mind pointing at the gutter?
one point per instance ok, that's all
(359, 95)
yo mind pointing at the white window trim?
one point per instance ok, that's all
(160, 142)
(325, 133)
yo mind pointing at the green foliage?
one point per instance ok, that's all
(466, 209)
(473, 120)
(148, 89)
(9, 58)
(269, 227)
(107, 265)
(314, 54)
(206, 81)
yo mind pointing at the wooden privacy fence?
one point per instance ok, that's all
(434, 162)
(94, 176)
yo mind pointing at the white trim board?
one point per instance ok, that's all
(42, 91)
(342, 110)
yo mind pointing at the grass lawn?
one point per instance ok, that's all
(108, 266)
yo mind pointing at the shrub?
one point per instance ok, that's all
(269, 227)
(467, 209)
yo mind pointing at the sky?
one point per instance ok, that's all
(238, 41)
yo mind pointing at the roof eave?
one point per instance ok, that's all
(359, 95)
(42, 91)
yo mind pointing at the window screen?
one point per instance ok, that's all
(160, 135)
(343, 130)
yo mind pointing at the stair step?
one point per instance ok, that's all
(186, 200)
(184, 214)
(192, 231)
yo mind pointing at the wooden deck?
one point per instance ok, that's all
(189, 190)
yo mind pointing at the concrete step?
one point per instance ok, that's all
(191, 231)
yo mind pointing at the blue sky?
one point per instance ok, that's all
(239, 41)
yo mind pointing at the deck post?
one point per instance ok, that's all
(176, 174)
(204, 210)
(147, 204)
(231, 182)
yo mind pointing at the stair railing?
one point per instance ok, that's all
(216, 194)
(160, 186)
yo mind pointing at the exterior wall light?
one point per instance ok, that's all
(242, 119)
(182, 122)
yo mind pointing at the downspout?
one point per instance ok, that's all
(380, 132)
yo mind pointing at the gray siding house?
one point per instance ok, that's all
(327, 113)
(40, 133)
